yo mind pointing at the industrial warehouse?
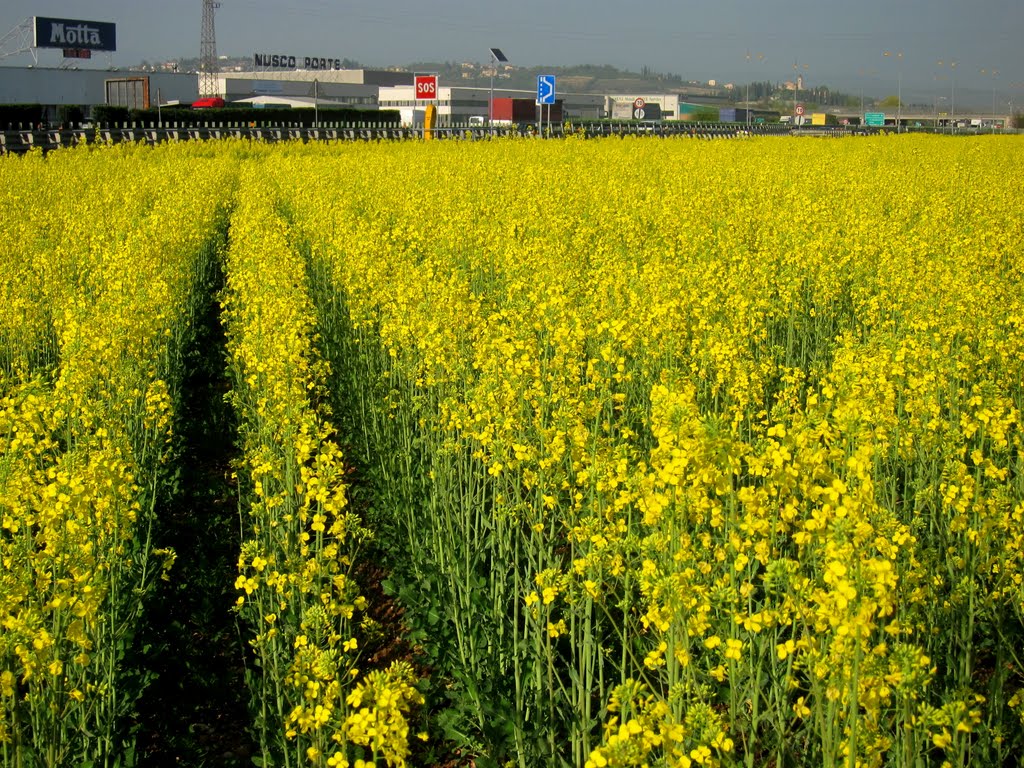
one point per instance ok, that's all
(362, 89)
(279, 80)
(73, 91)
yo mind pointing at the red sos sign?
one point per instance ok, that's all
(426, 86)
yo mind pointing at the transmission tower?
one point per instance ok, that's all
(19, 40)
(208, 51)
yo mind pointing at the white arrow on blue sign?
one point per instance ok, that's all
(545, 89)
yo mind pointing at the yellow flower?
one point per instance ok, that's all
(733, 649)
(943, 739)
(800, 709)
(557, 629)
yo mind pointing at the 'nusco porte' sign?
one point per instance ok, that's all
(285, 61)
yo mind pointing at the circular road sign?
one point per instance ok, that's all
(638, 114)
(639, 103)
(799, 109)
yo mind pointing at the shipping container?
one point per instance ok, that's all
(525, 111)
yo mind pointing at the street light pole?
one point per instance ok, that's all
(746, 102)
(952, 96)
(899, 86)
(993, 100)
(936, 98)
(993, 74)
(797, 77)
(952, 93)
(1013, 87)
(863, 73)
(496, 56)
(760, 58)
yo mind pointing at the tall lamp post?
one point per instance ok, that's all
(760, 59)
(1013, 87)
(952, 93)
(863, 74)
(993, 74)
(797, 82)
(496, 57)
(898, 55)
(937, 99)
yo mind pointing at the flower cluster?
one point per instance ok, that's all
(681, 454)
(297, 591)
(104, 264)
(716, 421)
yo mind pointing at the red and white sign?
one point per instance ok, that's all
(639, 103)
(426, 86)
(799, 109)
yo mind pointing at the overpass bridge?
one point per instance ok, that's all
(919, 118)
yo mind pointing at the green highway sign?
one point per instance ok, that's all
(874, 118)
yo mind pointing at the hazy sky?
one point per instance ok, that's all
(841, 42)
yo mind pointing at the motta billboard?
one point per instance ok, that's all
(74, 33)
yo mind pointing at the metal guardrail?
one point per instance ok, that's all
(20, 141)
(47, 140)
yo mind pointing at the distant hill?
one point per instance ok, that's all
(582, 78)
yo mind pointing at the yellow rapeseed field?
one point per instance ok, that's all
(104, 261)
(676, 452)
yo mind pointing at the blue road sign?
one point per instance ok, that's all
(545, 89)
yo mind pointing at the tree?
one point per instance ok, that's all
(890, 101)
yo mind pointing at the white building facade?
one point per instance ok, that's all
(457, 105)
(90, 87)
